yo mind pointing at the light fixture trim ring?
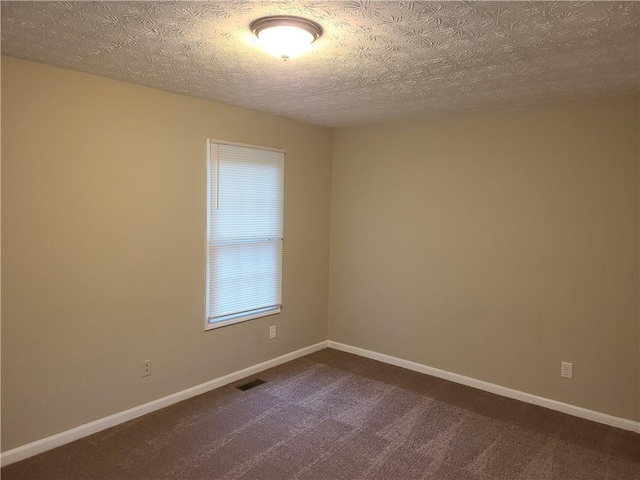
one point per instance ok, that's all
(314, 28)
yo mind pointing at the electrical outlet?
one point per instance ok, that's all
(566, 370)
(146, 368)
(272, 332)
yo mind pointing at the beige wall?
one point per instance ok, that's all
(103, 222)
(491, 245)
(495, 246)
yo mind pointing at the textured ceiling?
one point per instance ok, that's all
(376, 60)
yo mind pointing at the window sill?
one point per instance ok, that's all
(242, 318)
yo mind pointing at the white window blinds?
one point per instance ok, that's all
(246, 200)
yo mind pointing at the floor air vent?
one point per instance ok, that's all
(251, 384)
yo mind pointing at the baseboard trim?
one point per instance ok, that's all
(59, 439)
(492, 388)
(68, 436)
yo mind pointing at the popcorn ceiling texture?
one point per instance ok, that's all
(376, 60)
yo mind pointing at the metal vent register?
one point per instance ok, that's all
(251, 384)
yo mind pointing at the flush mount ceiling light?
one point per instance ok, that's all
(286, 36)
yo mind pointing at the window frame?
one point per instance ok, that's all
(268, 311)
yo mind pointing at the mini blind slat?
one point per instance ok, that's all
(245, 229)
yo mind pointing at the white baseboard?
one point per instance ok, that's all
(48, 443)
(490, 387)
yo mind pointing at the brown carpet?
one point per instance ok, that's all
(336, 415)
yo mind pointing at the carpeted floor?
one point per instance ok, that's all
(335, 415)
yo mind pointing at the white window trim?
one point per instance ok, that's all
(240, 318)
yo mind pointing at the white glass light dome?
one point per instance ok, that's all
(285, 36)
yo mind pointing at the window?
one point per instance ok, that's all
(244, 233)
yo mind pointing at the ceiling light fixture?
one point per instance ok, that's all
(286, 36)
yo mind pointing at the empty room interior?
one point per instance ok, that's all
(401, 242)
